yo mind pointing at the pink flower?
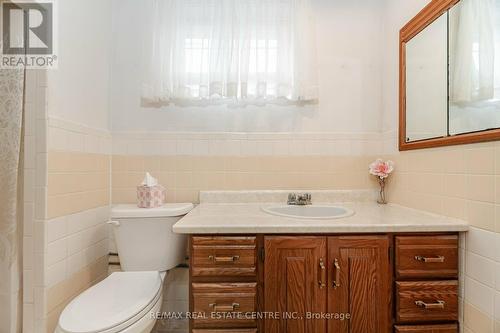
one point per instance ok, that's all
(381, 169)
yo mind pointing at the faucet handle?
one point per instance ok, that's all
(292, 198)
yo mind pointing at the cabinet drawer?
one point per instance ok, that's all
(427, 256)
(448, 328)
(225, 305)
(223, 256)
(426, 301)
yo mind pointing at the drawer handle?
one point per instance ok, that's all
(336, 268)
(224, 259)
(426, 259)
(224, 308)
(322, 273)
(437, 305)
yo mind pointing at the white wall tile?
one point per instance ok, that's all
(41, 136)
(479, 295)
(103, 214)
(28, 318)
(482, 242)
(40, 202)
(29, 185)
(497, 276)
(39, 269)
(481, 269)
(29, 152)
(184, 147)
(461, 240)
(40, 297)
(92, 143)
(40, 236)
(81, 220)
(76, 262)
(28, 217)
(28, 252)
(57, 228)
(169, 147)
(85, 238)
(28, 285)
(497, 305)
(56, 273)
(58, 139)
(41, 169)
(56, 251)
(461, 260)
(227, 143)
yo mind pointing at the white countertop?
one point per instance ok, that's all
(369, 217)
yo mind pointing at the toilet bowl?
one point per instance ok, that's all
(123, 302)
(128, 302)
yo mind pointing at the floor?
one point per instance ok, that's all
(175, 300)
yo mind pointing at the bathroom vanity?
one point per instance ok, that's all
(383, 269)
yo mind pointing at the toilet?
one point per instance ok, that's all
(126, 301)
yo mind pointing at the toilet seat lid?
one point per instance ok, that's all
(111, 302)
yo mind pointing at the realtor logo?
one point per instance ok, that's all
(28, 34)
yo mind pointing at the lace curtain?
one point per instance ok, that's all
(11, 120)
(239, 52)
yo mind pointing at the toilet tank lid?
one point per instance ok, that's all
(167, 210)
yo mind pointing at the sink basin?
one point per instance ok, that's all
(309, 212)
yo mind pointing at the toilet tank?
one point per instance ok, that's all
(144, 237)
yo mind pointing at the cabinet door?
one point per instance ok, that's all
(359, 284)
(295, 283)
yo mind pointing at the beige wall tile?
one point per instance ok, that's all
(455, 207)
(497, 159)
(454, 185)
(185, 175)
(152, 164)
(453, 160)
(480, 160)
(481, 188)
(497, 221)
(481, 215)
(125, 195)
(77, 182)
(167, 163)
(497, 189)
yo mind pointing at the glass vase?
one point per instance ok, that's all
(382, 200)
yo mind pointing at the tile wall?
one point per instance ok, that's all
(74, 235)
(35, 189)
(84, 170)
(185, 176)
(186, 163)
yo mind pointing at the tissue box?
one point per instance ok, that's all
(150, 196)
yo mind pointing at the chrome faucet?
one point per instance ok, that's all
(300, 199)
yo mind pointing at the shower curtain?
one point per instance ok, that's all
(11, 198)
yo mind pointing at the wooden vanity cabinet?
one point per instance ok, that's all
(295, 282)
(384, 283)
(223, 282)
(359, 283)
(426, 283)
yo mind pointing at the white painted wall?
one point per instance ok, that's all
(349, 38)
(79, 88)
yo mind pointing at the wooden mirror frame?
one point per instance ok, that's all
(423, 19)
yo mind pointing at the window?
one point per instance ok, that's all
(237, 52)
